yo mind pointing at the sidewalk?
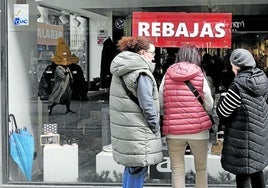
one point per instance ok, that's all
(108, 186)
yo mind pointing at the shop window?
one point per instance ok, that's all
(75, 148)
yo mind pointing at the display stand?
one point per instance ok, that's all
(105, 162)
(61, 163)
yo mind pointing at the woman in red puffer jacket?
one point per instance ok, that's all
(185, 120)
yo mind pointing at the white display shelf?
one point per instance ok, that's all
(60, 163)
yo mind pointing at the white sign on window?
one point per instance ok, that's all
(21, 14)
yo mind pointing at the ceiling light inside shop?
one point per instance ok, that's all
(76, 21)
(64, 20)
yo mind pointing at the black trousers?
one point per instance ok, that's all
(256, 180)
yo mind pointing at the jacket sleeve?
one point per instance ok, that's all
(208, 99)
(145, 97)
(161, 97)
(229, 103)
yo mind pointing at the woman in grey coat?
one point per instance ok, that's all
(135, 130)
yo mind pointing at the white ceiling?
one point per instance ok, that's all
(125, 7)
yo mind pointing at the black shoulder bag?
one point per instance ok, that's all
(197, 95)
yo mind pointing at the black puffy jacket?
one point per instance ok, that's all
(79, 84)
(47, 82)
(245, 147)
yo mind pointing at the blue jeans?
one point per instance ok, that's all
(134, 177)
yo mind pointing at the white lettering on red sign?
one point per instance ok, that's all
(167, 29)
(174, 29)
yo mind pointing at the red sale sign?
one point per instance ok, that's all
(171, 29)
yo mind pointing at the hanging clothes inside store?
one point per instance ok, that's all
(47, 82)
(80, 85)
(108, 53)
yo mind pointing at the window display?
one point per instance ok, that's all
(80, 142)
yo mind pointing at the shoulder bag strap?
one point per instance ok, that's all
(194, 90)
(197, 95)
(129, 93)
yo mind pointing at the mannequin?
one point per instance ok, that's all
(61, 92)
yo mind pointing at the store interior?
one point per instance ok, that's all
(85, 27)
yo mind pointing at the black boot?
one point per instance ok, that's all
(49, 109)
(68, 109)
(70, 112)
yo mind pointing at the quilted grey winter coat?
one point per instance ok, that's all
(133, 142)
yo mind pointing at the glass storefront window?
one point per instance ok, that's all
(74, 148)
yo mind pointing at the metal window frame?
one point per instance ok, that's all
(4, 91)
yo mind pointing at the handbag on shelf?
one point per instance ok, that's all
(199, 98)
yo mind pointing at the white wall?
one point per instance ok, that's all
(95, 49)
(21, 56)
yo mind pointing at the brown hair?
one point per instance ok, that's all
(133, 44)
(189, 54)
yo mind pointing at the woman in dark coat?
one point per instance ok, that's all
(244, 111)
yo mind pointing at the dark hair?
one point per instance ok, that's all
(133, 44)
(189, 54)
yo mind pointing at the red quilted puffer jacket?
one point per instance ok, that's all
(183, 113)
